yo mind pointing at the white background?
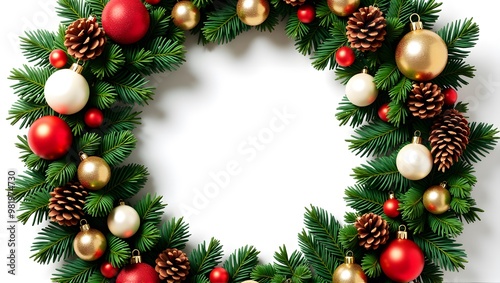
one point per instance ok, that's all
(205, 114)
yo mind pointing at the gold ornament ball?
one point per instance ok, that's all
(185, 15)
(89, 244)
(437, 199)
(252, 12)
(421, 55)
(343, 8)
(93, 172)
(349, 272)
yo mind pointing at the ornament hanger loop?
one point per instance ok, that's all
(402, 228)
(349, 253)
(412, 15)
(136, 252)
(417, 133)
(83, 222)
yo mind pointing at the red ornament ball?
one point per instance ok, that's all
(50, 137)
(153, 2)
(108, 270)
(138, 272)
(383, 111)
(125, 21)
(306, 13)
(219, 275)
(58, 58)
(402, 260)
(450, 96)
(391, 207)
(345, 56)
(93, 117)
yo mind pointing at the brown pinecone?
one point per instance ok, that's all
(373, 231)
(172, 265)
(295, 2)
(84, 39)
(66, 204)
(448, 138)
(366, 29)
(426, 100)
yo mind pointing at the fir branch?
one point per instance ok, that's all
(472, 215)
(348, 237)
(460, 205)
(103, 94)
(460, 169)
(138, 59)
(53, 243)
(150, 209)
(324, 228)
(28, 112)
(75, 271)
(394, 28)
(399, 92)
(302, 274)
(321, 262)
(442, 250)
(131, 88)
(72, 10)
(30, 183)
(323, 12)
(60, 172)
(371, 265)
(295, 28)
(446, 224)
(459, 187)
(344, 74)
(76, 123)
(411, 205)
(120, 118)
(147, 236)
(96, 6)
(400, 9)
(313, 40)
(168, 55)
(109, 62)
(459, 36)
(364, 200)
(377, 138)
(381, 173)
(398, 113)
(482, 139)
(428, 11)
(454, 74)
(36, 207)
(30, 83)
(263, 273)
(223, 25)
(88, 143)
(36, 47)
(352, 114)
(31, 160)
(118, 251)
(99, 204)
(241, 262)
(204, 258)
(387, 76)
(159, 23)
(324, 55)
(286, 265)
(117, 146)
(174, 234)
(431, 273)
(271, 21)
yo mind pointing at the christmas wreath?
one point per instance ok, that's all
(411, 197)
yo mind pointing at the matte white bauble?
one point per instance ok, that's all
(66, 91)
(361, 90)
(123, 221)
(414, 160)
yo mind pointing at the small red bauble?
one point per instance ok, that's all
(345, 56)
(219, 275)
(391, 207)
(58, 58)
(125, 21)
(153, 2)
(108, 270)
(93, 117)
(450, 96)
(50, 137)
(383, 111)
(306, 13)
(402, 260)
(138, 272)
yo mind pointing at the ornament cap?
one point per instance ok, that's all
(349, 258)
(391, 195)
(402, 234)
(365, 70)
(84, 226)
(77, 68)
(416, 25)
(443, 184)
(417, 138)
(83, 155)
(136, 257)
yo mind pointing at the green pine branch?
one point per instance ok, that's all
(30, 183)
(146, 237)
(443, 251)
(109, 62)
(371, 265)
(241, 262)
(35, 207)
(223, 24)
(53, 243)
(104, 95)
(174, 234)
(459, 36)
(118, 251)
(431, 273)
(120, 119)
(446, 224)
(387, 76)
(30, 83)
(482, 139)
(364, 200)
(72, 10)
(204, 258)
(117, 146)
(150, 209)
(60, 172)
(89, 143)
(348, 113)
(291, 266)
(263, 273)
(324, 228)
(168, 55)
(75, 271)
(321, 262)
(36, 47)
(31, 160)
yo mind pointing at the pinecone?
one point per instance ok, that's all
(366, 29)
(373, 231)
(426, 100)
(295, 2)
(84, 39)
(66, 204)
(448, 138)
(172, 265)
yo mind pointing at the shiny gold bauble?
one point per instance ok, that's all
(349, 272)
(185, 15)
(89, 244)
(437, 199)
(252, 12)
(93, 172)
(421, 55)
(343, 8)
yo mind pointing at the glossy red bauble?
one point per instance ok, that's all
(402, 260)
(306, 13)
(450, 96)
(93, 118)
(138, 272)
(219, 275)
(58, 58)
(345, 56)
(108, 270)
(391, 208)
(153, 2)
(383, 111)
(50, 137)
(125, 21)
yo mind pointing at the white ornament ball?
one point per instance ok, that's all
(414, 161)
(361, 90)
(123, 221)
(66, 91)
